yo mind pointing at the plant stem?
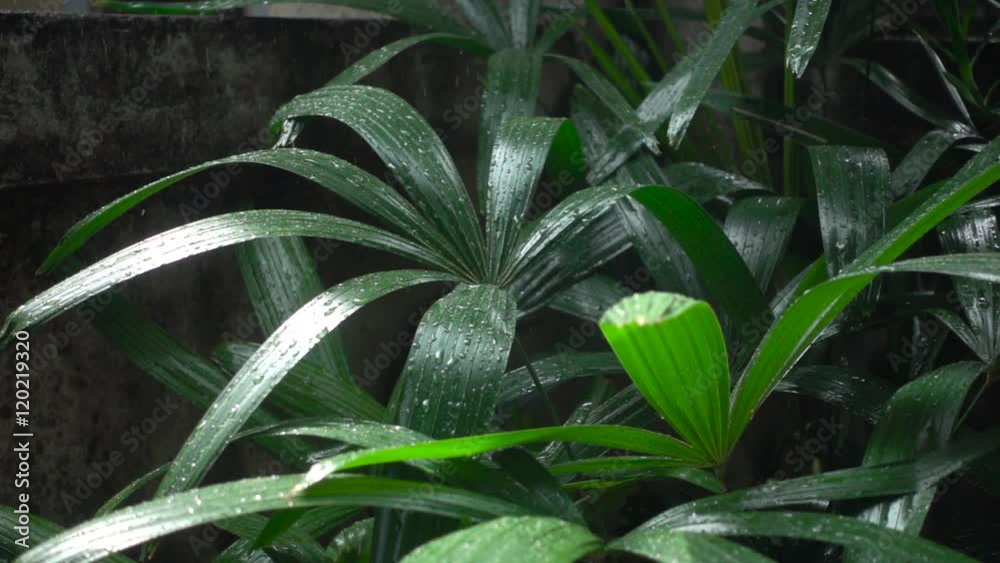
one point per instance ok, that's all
(790, 155)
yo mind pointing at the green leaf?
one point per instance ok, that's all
(519, 153)
(666, 546)
(346, 180)
(280, 276)
(132, 526)
(911, 171)
(807, 28)
(178, 368)
(38, 529)
(196, 238)
(861, 395)
(556, 369)
(540, 485)
(760, 228)
(706, 64)
(307, 390)
(588, 298)
(641, 467)
(537, 539)
(421, 13)
(509, 91)
(976, 231)
(672, 348)
(451, 383)
(801, 324)
(272, 361)
(130, 489)
(921, 416)
(716, 260)
(620, 437)
(484, 15)
(866, 481)
(896, 89)
(827, 528)
(524, 21)
(374, 60)
(704, 183)
(853, 197)
(815, 130)
(413, 152)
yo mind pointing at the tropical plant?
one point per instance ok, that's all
(448, 470)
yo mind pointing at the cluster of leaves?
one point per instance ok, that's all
(736, 317)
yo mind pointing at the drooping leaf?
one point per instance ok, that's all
(272, 361)
(911, 171)
(537, 539)
(760, 228)
(621, 437)
(704, 183)
(132, 526)
(195, 238)
(413, 152)
(672, 348)
(451, 383)
(899, 91)
(280, 276)
(373, 61)
(829, 528)
(668, 546)
(813, 130)
(854, 483)
(588, 298)
(346, 180)
(307, 390)
(975, 230)
(641, 467)
(806, 30)
(36, 529)
(921, 416)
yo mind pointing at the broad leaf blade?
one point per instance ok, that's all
(672, 348)
(538, 539)
(451, 383)
(760, 228)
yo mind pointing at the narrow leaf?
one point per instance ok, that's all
(807, 28)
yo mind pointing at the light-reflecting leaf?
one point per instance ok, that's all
(672, 348)
(806, 30)
(667, 546)
(451, 383)
(132, 526)
(413, 152)
(760, 228)
(196, 238)
(529, 538)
